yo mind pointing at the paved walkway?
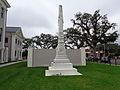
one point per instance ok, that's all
(6, 64)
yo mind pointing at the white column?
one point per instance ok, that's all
(20, 54)
(2, 55)
(6, 54)
(13, 48)
(3, 33)
(3, 36)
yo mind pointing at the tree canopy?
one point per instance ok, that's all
(46, 41)
(73, 39)
(94, 29)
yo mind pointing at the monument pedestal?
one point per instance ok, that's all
(61, 69)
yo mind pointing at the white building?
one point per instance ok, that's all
(3, 17)
(13, 41)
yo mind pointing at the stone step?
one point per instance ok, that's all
(61, 60)
(62, 72)
(51, 68)
(61, 66)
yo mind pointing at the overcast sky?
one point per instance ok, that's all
(40, 16)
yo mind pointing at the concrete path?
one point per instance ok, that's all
(6, 64)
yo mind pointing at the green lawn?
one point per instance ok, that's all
(95, 77)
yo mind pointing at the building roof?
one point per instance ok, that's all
(6, 3)
(14, 30)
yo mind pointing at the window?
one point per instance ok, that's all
(20, 43)
(15, 52)
(1, 34)
(2, 12)
(16, 41)
(0, 53)
(6, 40)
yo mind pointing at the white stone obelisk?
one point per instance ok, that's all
(61, 64)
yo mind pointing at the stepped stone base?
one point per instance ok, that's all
(61, 69)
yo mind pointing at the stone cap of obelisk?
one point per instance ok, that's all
(60, 22)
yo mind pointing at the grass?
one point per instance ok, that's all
(95, 77)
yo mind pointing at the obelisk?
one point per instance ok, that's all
(61, 64)
(61, 56)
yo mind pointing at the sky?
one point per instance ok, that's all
(41, 16)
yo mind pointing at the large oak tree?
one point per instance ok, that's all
(94, 28)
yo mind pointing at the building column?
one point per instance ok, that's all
(6, 54)
(13, 48)
(3, 37)
(2, 55)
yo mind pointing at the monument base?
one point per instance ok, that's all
(61, 69)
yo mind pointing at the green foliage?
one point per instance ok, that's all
(113, 49)
(26, 43)
(95, 77)
(94, 28)
(45, 41)
(25, 53)
(73, 38)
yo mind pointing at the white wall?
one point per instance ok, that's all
(44, 57)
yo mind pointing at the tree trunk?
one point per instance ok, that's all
(94, 51)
